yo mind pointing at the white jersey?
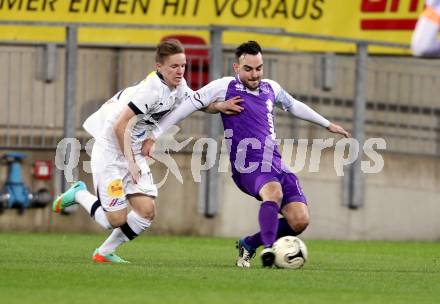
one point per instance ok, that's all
(149, 99)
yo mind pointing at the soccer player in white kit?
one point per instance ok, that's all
(121, 174)
(425, 40)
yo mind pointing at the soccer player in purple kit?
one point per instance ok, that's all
(258, 171)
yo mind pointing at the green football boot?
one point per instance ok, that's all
(108, 258)
(67, 198)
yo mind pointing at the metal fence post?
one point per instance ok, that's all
(356, 181)
(213, 122)
(71, 52)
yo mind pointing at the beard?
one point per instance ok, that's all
(252, 84)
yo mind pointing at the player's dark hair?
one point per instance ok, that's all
(251, 47)
(167, 48)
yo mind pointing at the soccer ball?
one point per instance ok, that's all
(290, 252)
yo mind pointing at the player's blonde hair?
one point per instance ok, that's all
(167, 48)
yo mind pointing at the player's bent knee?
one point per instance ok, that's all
(271, 192)
(298, 222)
(274, 196)
(146, 211)
(277, 196)
(300, 226)
(148, 214)
(116, 220)
(302, 222)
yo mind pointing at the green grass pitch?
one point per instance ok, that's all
(57, 268)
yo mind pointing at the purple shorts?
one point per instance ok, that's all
(251, 183)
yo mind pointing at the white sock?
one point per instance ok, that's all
(93, 207)
(101, 218)
(137, 223)
(115, 239)
(127, 232)
(85, 199)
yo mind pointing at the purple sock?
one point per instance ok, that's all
(283, 229)
(268, 219)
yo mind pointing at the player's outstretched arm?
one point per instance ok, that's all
(228, 107)
(202, 98)
(303, 111)
(174, 117)
(334, 128)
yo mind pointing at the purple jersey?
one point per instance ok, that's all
(250, 135)
(252, 129)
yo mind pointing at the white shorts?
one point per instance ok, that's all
(113, 182)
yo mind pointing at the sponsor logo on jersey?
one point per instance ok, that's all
(240, 87)
(116, 202)
(140, 134)
(265, 88)
(155, 117)
(198, 98)
(269, 105)
(115, 189)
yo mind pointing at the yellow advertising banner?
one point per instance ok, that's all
(379, 20)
